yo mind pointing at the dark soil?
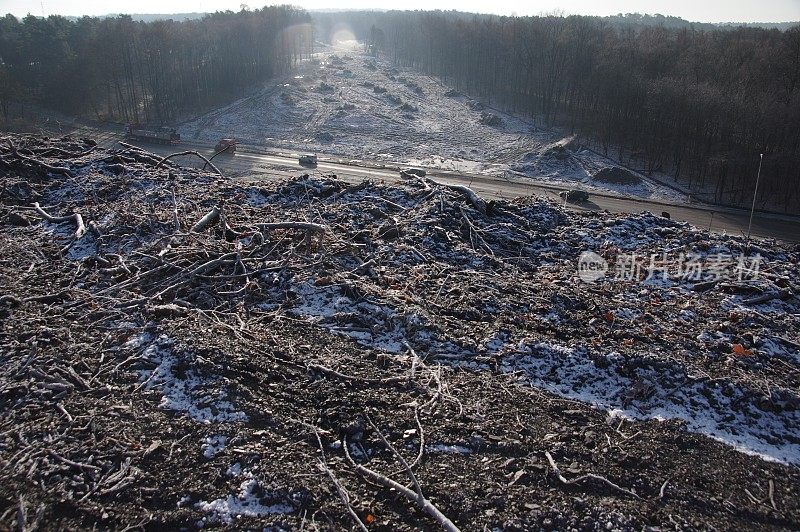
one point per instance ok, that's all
(126, 351)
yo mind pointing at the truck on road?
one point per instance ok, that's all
(308, 159)
(226, 145)
(160, 135)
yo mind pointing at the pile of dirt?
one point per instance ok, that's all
(557, 158)
(490, 119)
(183, 350)
(324, 136)
(616, 175)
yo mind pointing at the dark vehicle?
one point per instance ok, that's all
(665, 214)
(575, 196)
(412, 172)
(227, 146)
(308, 159)
(160, 135)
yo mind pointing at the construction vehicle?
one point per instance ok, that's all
(160, 135)
(309, 159)
(575, 196)
(227, 146)
(412, 172)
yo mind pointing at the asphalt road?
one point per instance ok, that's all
(278, 166)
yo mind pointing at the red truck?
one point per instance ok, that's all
(226, 145)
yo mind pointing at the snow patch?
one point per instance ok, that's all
(213, 445)
(662, 391)
(185, 389)
(247, 502)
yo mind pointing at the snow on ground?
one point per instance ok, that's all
(627, 383)
(656, 389)
(246, 502)
(214, 445)
(660, 391)
(184, 389)
(346, 103)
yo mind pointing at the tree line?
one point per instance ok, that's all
(699, 105)
(145, 72)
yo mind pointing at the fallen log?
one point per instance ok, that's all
(473, 198)
(209, 219)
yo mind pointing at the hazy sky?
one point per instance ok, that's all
(694, 10)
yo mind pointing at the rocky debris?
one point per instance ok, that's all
(490, 119)
(247, 354)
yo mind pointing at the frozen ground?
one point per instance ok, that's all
(170, 379)
(346, 103)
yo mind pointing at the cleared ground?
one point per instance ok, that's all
(347, 103)
(240, 372)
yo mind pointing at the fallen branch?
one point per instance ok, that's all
(226, 148)
(21, 514)
(772, 495)
(417, 497)
(473, 198)
(54, 169)
(769, 296)
(131, 146)
(76, 217)
(190, 152)
(66, 154)
(306, 226)
(340, 490)
(663, 489)
(581, 478)
(704, 285)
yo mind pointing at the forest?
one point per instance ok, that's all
(699, 105)
(125, 70)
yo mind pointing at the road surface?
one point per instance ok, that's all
(280, 166)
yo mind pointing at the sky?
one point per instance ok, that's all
(693, 10)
